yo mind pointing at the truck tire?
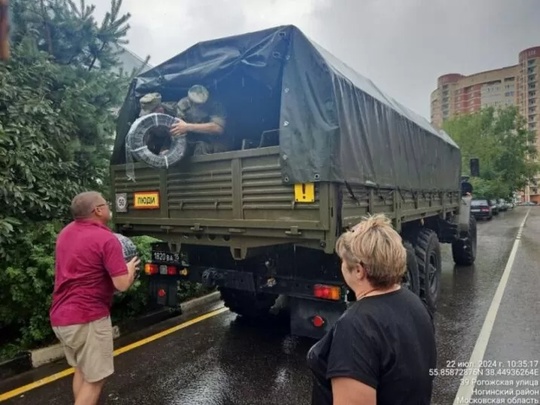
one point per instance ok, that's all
(464, 248)
(411, 280)
(247, 304)
(428, 256)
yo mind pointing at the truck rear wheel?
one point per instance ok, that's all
(464, 248)
(411, 280)
(428, 256)
(248, 304)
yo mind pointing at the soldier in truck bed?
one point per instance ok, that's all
(202, 120)
(159, 139)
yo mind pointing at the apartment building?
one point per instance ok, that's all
(517, 85)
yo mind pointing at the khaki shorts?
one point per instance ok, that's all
(89, 347)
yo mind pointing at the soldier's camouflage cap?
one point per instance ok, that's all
(198, 94)
(149, 102)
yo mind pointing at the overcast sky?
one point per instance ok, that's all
(401, 45)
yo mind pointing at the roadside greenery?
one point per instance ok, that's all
(504, 146)
(57, 94)
(136, 301)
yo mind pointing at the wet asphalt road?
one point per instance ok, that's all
(225, 360)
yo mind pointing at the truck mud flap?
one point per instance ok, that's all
(313, 318)
(164, 291)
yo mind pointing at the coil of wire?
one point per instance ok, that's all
(138, 136)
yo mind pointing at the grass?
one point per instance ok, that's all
(9, 351)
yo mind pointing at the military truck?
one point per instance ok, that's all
(316, 147)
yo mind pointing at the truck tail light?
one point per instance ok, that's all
(327, 292)
(317, 321)
(167, 270)
(150, 269)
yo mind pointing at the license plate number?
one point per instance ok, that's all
(165, 257)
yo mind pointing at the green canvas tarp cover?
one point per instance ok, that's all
(334, 124)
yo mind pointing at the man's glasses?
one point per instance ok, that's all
(102, 205)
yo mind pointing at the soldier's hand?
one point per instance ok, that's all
(180, 128)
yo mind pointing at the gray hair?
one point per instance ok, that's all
(83, 204)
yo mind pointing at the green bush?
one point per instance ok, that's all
(27, 283)
(27, 287)
(57, 94)
(135, 301)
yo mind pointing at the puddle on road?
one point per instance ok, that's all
(209, 388)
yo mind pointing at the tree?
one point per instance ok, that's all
(56, 127)
(505, 148)
(87, 86)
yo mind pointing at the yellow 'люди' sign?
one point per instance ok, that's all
(146, 200)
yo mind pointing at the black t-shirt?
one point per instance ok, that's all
(385, 341)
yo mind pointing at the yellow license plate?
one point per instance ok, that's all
(146, 200)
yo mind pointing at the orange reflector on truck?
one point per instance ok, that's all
(327, 292)
(150, 269)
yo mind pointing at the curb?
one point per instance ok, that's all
(197, 302)
(19, 364)
(26, 361)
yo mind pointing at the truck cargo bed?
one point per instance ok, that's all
(402, 206)
(238, 199)
(234, 198)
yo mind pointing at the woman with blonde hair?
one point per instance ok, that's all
(382, 348)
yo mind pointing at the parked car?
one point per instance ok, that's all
(503, 205)
(494, 207)
(481, 209)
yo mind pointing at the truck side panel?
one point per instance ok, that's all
(402, 206)
(236, 199)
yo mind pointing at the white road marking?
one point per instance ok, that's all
(465, 391)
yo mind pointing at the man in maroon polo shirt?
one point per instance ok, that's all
(89, 267)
